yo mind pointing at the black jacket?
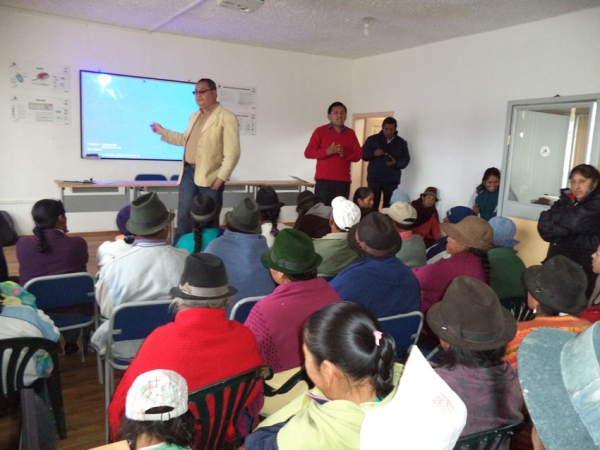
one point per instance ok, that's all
(378, 171)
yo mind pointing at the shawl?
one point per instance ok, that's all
(423, 213)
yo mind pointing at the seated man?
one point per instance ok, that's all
(201, 344)
(403, 215)
(379, 281)
(333, 247)
(240, 248)
(144, 273)
(276, 320)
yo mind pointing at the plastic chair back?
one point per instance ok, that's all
(150, 177)
(56, 291)
(174, 177)
(404, 328)
(13, 369)
(220, 404)
(497, 438)
(241, 310)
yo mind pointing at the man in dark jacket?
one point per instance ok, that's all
(387, 154)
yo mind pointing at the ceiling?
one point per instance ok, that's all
(320, 27)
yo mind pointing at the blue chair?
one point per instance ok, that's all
(150, 177)
(174, 178)
(241, 309)
(130, 322)
(404, 328)
(67, 291)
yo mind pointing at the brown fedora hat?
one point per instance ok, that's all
(375, 237)
(472, 231)
(471, 316)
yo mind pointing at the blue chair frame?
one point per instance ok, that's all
(241, 309)
(404, 328)
(150, 177)
(128, 322)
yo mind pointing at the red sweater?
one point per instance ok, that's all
(333, 167)
(201, 345)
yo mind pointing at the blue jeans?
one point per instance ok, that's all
(187, 191)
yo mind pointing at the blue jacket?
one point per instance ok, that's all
(385, 286)
(378, 171)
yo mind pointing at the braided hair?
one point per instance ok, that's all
(483, 256)
(198, 226)
(271, 215)
(345, 334)
(45, 214)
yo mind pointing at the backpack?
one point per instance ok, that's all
(8, 234)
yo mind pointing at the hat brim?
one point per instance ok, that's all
(453, 230)
(532, 284)
(176, 292)
(140, 230)
(437, 199)
(230, 221)
(270, 264)
(438, 326)
(354, 245)
(544, 391)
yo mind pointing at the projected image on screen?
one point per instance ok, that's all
(117, 110)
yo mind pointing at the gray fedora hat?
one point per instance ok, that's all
(148, 215)
(245, 217)
(471, 316)
(204, 278)
(559, 372)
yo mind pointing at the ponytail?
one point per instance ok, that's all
(45, 214)
(271, 215)
(198, 239)
(384, 377)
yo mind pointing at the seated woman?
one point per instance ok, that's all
(556, 294)
(52, 252)
(468, 243)
(363, 198)
(474, 329)
(109, 250)
(204, 215)
(270, 209)
(485, 198)
(427, 224)
(156, 413)
(437, 250)
(313, 215)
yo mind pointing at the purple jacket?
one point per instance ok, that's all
(64, 255)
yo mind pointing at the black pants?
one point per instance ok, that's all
(327, 190)
(378, 188)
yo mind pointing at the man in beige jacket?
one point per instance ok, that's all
(212, 150)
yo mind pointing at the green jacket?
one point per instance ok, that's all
(336, 252)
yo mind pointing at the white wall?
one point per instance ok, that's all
(294, 91)
(450, 98)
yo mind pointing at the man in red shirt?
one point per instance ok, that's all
(334, 146)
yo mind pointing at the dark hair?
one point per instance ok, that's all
(389, 121)
(334, 104)
(302, 276)
(272, 215)
(586, 171)
(1, 300)
(361, 193)
(459, 356)
(210, 83)
(489, 172)
(343, 333)
(485, 262)
(178, 431)
(198, 226)
(45, 214)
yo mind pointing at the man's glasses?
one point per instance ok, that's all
(203, 91)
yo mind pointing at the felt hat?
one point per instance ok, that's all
(148, 215)
(245, 217)
(307, 197)
(122, 218)
(375, 237)
(204, 208)
(504, 232)
(458, 213)
(267, 198)
(346, 214)
(401, 212)
(204, 278)
(431, 191)
(472, 232)
(292, 252)
(559, 283)
(154, 389)
(559, 373)
(471, 316)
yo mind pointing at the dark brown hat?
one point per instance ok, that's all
(472, 231)
(432, 191)
(267, 198)
(471, 316)
(559, 284)
(204, 278)
(375, 237)
(305, 197)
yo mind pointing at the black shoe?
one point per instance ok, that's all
(71, 348)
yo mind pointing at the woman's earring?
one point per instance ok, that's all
(534, 311)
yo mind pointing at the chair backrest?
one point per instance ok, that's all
(496, 438)
(136, 320)
(62, 290)
(150, 177)
(220, 404)
(241, 309)
(13, 368)
(404, 328)
(174, 177)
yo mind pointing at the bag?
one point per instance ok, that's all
(8, 235)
